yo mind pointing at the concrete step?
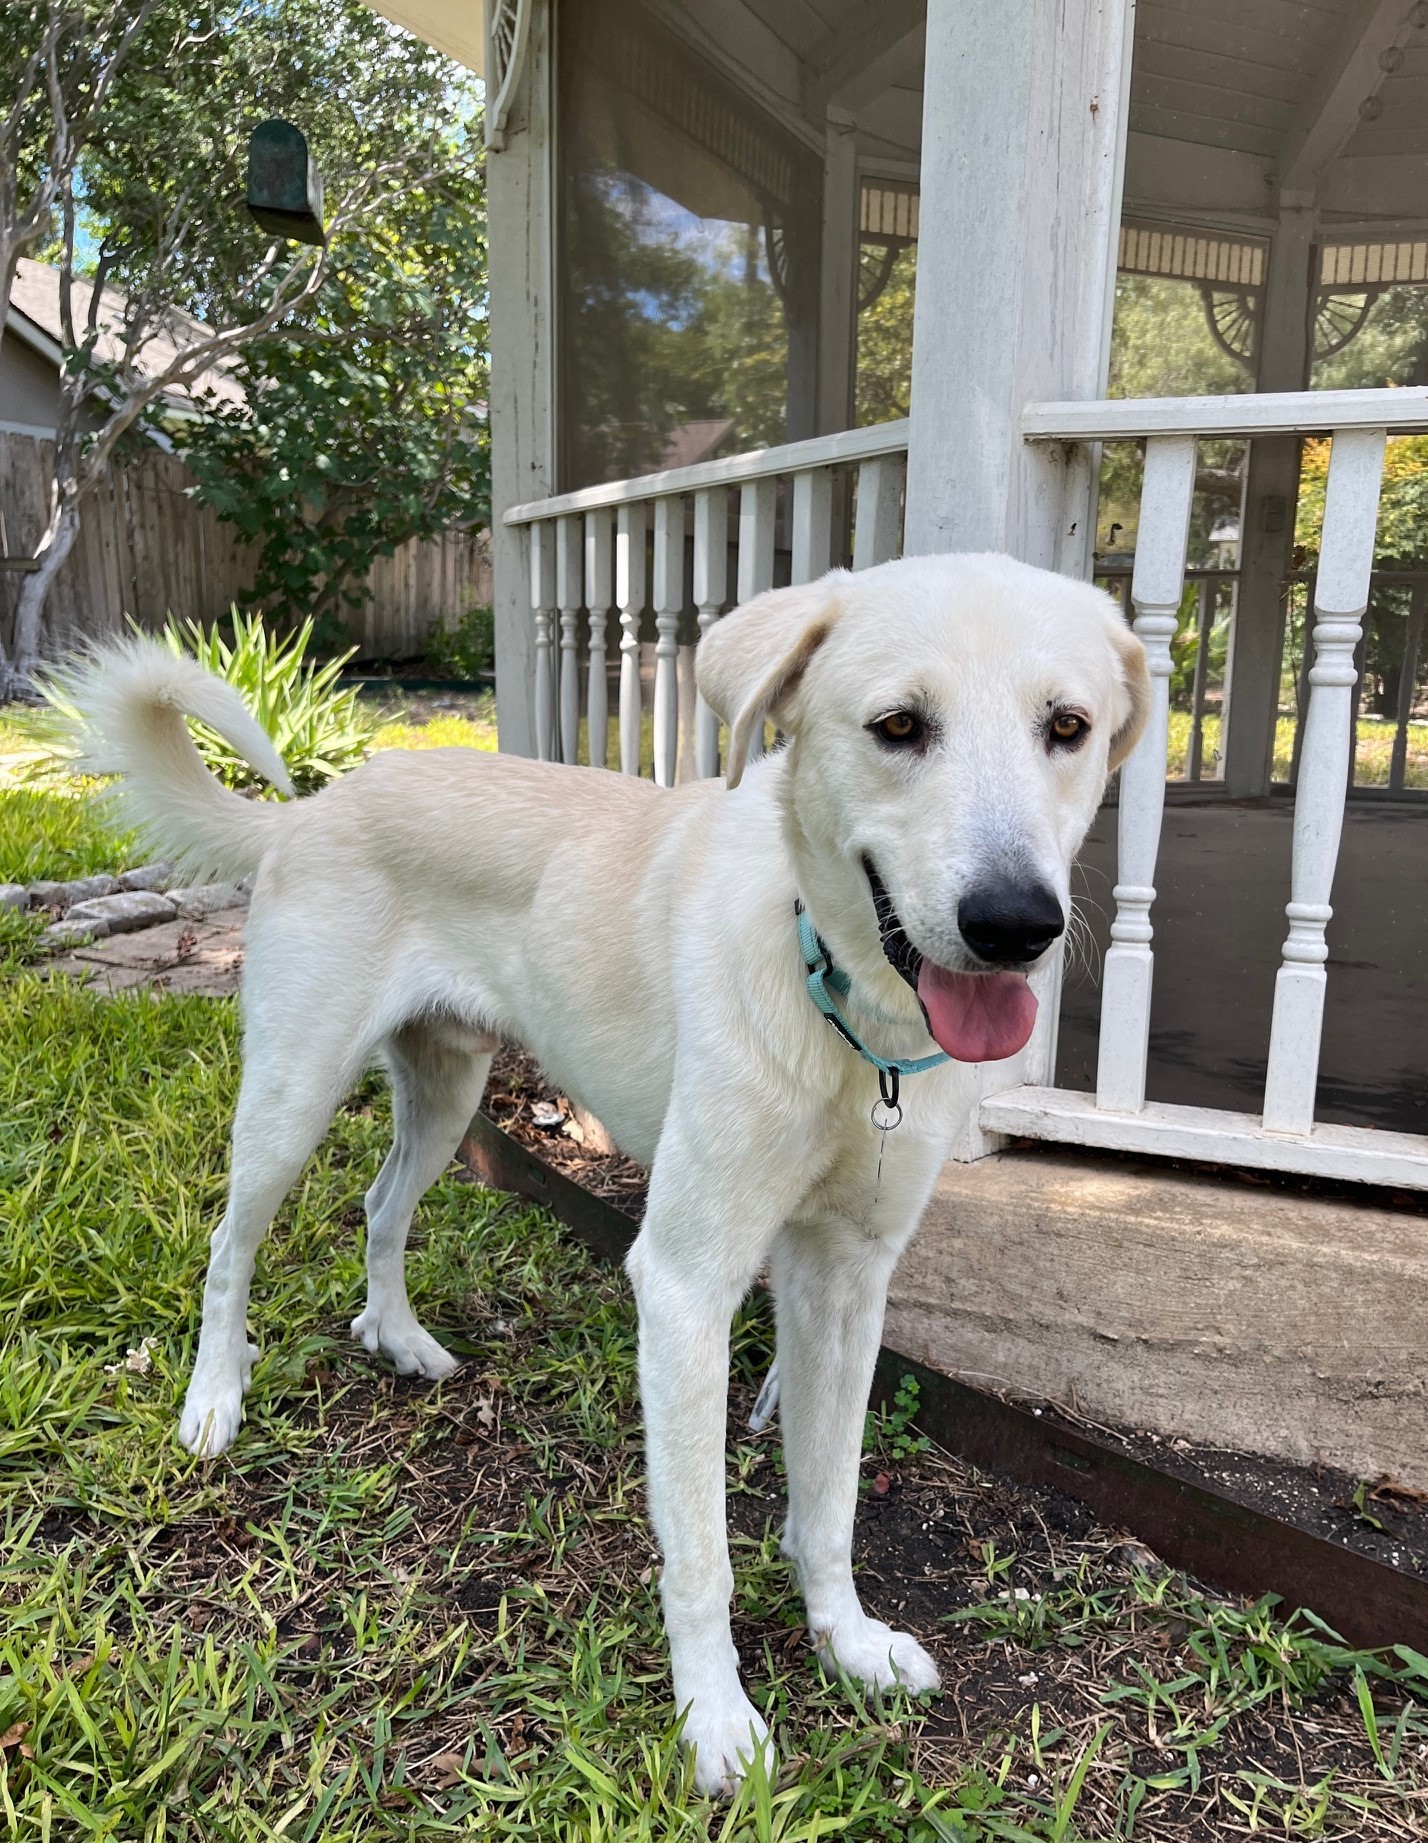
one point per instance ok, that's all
(1256, 1315)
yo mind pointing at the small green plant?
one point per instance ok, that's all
(320, 728)
(466, 650)
(318, 725)
(887, 1431)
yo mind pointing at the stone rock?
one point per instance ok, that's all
(65, 895)
(122, 913)
(203, 899)
(70, 934)
(14, 896)
(148, 877)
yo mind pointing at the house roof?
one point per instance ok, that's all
(34, 317)
(456, 27)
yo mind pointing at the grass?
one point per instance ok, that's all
(56, 832)
(440, 732)
(402, 1612)
(1373, 755)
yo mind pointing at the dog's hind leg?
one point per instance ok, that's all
(436, 1088)
(285, 1104)
(829, 1281)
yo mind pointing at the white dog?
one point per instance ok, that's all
(950, 723)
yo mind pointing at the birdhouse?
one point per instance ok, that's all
(284, 186)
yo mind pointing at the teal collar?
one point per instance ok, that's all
(824, 979)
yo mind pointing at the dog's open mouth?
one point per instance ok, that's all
(974, 1017)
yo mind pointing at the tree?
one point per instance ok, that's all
(884, 358)
(162, 275)
(363, 427)
(58, 64)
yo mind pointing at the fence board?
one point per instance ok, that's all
(145, 548)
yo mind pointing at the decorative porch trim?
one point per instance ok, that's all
(507, 33)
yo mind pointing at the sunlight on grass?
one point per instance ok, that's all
(57, 832)
(447, 732)
(1372, 759)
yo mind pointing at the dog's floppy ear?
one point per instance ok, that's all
(750, 663)
(1135, 682)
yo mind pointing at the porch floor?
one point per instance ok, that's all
(1222, 883)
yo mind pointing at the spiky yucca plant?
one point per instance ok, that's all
(319, 727)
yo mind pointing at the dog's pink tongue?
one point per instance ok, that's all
(977, 1017)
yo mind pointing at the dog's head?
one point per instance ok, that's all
(951, 723)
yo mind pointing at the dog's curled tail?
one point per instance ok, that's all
(131, 697)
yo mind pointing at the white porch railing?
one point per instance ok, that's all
(588, 553)
(1284, 1137)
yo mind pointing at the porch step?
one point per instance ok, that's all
(1260, 1319)
(1353, 1154)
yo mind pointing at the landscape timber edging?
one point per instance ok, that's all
(1222, 1542)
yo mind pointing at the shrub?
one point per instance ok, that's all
(319, 727)
(467, 649)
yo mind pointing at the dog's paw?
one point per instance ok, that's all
(878, 1657)
(213, 1406)
(725, 1736)
(401, 1340)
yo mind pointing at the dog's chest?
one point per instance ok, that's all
(878, 1181)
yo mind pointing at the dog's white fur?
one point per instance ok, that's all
(641, 944)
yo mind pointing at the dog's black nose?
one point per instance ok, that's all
(1009, 924)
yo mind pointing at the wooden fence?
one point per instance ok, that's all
(146, 549)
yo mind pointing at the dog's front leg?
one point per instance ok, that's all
(830, 1281)
(713, 1211)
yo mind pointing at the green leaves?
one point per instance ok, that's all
(319, 728)
(363, 426)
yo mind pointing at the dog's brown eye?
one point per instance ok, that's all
(900, 727)
(1067, 727)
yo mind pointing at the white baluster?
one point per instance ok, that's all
(630, 599)
(542, 542)
(1155, 593)
(668, 600)
(569, 589)
(598, 555)
(711, 585)
(756, 558)
(812, 523)
(879, 513)
(1340, 599)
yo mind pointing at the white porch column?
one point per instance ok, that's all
(1267, 535)
(839, 261)
(1023, 138)
(519, 207)
(1023, 145)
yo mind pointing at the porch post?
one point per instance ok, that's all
(1023, 146)
(519, 203)
(839, 259)
(1267, 531)
(1023, 141)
